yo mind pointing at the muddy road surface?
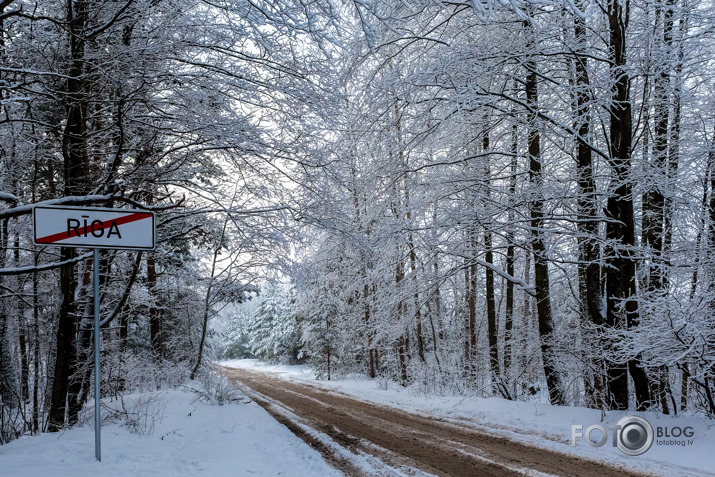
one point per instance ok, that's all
(361, 438)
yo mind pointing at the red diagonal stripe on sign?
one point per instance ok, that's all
(124, 219)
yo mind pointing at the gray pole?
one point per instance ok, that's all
(97, 381)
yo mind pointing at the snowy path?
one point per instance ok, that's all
(362, 438)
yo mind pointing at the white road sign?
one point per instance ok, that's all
(92, 227)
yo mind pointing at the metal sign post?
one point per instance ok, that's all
(97, 377)
(95, 228)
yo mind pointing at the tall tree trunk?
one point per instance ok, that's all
(492, 331)
(435, 302)
(672, 174)
(154, 311)
(509, 306)
(22, 330)
(587, 202)
(470, 343)
(654, 206)
(674, 137)
(35, 320)
(64, 344)
(654, 198)
(541, 264)
(8, 385)
(79, 384)
(24, 354)
(402, 356)
(710, 256)
(208, 301)
(415, 282)
(329, 349)
(491, 308)
(76, 175)
(7, 371)
(416, 296)
(620, 229)
(403, 341)
(400, 210)
(437, 281)
(368, 326)
(36, 349)
(706, 213)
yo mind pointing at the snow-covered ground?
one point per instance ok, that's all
(537, 423)
(189, 438)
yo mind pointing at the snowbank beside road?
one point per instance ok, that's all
(533, 422)
(191, 438)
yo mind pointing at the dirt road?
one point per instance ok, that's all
(371, 439)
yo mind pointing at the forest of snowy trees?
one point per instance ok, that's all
(493, 198)
(144, 103)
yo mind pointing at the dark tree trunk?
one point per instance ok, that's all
(491, 309)
(24, 358)
(509, 306)
(653, 229)
(622, 308)
(403, 342)
(471, 325)
(674, 138)
(710, 256)
(541, 264)
(121, 311)
(64, 344)
(80, 380)
(76, 175)
(8, 387)
(435, 313)
(154, 313)
(36, 351)
(402, 355)
(437, 293)
(672, 173)
(368, 328)
(22, 331)
(589, 268)
(492, 331)
(416, 296)
(654, 198)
